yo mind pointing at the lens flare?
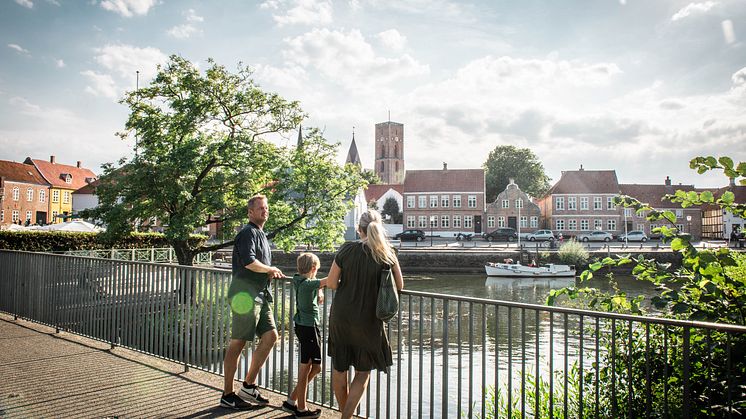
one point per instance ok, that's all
(242, 303)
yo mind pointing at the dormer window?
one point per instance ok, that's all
(67, 177)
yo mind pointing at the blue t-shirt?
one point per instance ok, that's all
(251, 244)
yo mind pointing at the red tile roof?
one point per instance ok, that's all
(653, 194)
(375, 192)
(89, 189)
(449, 180)
(53, 172)
(19, 172)
(586, 181)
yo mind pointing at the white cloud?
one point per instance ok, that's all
(301, 12)
(186, 30)
(23, 105)
(125, 60)
(693, 8)
(59, 63)
(292, 77)
(347, 58)
(26, 3)
(192, 16)
(128, 8)
(728, 33)
(392, 39)
(18, 48)
(54, 2)
(101, 84)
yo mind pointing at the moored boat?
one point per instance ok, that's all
(516, 269)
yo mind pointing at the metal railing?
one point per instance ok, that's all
(453, 356)
(154, 255)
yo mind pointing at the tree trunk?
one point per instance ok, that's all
(185, 257)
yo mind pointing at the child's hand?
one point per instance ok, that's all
(321, 296)
(322, 282)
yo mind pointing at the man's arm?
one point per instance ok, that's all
(261, 268)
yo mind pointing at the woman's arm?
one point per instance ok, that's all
(335, 273)
(398, 279)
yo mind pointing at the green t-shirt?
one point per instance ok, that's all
(306, 301)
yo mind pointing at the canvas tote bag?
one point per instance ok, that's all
(388, 299)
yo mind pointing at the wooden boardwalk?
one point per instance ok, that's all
(48, 374)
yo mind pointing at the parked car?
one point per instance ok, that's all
(418, 235)
(504, 233)
(634, 236)
(595, 236)
(540, 235)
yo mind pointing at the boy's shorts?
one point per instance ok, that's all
(310, 344)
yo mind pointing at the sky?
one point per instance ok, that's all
(636, 86)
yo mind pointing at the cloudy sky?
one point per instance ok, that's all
(638, 86)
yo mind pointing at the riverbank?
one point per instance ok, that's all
(473, 261)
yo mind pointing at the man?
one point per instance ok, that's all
(250, 297)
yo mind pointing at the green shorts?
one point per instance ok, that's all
(252, 314)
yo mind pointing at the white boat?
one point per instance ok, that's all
(516, 269)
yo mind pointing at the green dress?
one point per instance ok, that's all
(356, 336)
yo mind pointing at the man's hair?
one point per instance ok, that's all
(254, 199)
(306, 262)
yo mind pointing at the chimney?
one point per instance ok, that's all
(445, 166)
(511, 181)
(78, 164)
(51, 159)
(581, 168)
(668, 181)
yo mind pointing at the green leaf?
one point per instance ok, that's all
(677, 244)
(670, 216)
(595, 266)
(726, 162)
(728, 197)
(707, 196)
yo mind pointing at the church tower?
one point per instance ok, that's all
(389, 162)
(352, 155)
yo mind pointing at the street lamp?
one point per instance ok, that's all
(432, 221)
(625, 227)
(689, 224)
(519, 201)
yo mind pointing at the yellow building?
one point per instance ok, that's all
(64, 180)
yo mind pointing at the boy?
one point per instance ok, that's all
(308, 293)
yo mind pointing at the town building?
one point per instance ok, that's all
(63, 180)
(446, 201)
(389, 149)
(512, 208)
(688, 220)
(359, 203)
(719, 224)
(23, 194)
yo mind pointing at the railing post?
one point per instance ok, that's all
(444, 384)
(685, 397)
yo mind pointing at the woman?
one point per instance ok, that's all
(356, 336)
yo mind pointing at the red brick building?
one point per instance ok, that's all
(447, 201)
(688, 220)
(389, 161)
(63, 180)
(512, 208)
(24, 194)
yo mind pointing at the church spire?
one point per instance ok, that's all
(299, 145)
(352, 155)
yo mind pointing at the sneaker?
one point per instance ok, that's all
(232, 401)
(253, 395)
(290, 408)
(308, 414)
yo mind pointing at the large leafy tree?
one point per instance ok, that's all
(391, 208)
(202, 151)
(521, 164)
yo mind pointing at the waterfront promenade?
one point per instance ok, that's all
(62, 375)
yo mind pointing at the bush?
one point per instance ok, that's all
(58, 241)
(573, 253)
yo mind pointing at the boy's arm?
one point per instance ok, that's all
(322, 282)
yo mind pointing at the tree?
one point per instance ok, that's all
(391, 208)
(506, 162)
(201, 152)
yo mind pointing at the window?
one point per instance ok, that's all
(519, 203)
(444, 201)
(422, 201)
(433, 201)
(422, 221)
(524, 221)
(679, 213)
(410, 221)
(55, 196)
(2, 216)
(641, 227)
(456, 221)
(572, 203)
(28, 216)
(597, 224)
(559, 224)
(584, 225)
(29, 194)
(609, 203)
(42, 195)
(501, 222)
(559, 203)
(54, 216)
(66, 197)
(456, 201)
(572, 225)
(410, 202)
(472, 201)
(628, 212)
(584, 203)
(597, 203)
(611, 225)
(69, 179)
(467, 221)
(680, 227)
(445, 221)
(16, 193)
(506, 203)
(490, 221)
(15, 216)
(433, 221)
(534, 222)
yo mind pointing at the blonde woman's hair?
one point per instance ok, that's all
(372, 225)
(306, 262)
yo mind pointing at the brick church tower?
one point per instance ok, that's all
(389, 162)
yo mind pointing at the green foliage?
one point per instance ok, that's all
(202, 150)
(521, 164)
(391, 208)
(573, 253)
(53, 241)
